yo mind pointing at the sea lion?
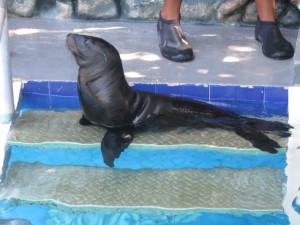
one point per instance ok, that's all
(108, 101)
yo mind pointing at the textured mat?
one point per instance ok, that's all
(49, 126)
(222, 188)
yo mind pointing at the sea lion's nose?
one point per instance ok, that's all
(71, 38)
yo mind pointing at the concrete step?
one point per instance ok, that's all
(190, 188)
(35, 127)
(69, 192)
(186, 189)
(56, 138)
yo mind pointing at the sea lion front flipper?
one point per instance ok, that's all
(84, 121)
(114, 143)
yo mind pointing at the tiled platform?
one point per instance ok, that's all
(64, 176)
(168, 191)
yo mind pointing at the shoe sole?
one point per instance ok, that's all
(178, 58)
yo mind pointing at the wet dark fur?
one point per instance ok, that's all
(107, 100)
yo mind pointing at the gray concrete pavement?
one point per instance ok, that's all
(297, 62)
(224, 54)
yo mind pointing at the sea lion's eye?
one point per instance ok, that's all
(87, 41)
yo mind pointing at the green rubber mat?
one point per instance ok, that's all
(62, 127)
(183, 189)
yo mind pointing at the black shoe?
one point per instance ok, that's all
(173, 44)
(274, 45)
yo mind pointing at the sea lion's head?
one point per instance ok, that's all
(89, 51)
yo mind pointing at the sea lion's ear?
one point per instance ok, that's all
(114, 143)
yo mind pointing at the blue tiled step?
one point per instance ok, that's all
(157, 157)
(42, 215)
(262, 101)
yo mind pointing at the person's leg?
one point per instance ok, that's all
(266, 10)
(171, 9)
(274, 45)
(173, 44)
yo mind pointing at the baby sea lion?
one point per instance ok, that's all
(107, 100)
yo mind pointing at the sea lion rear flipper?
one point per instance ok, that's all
(258, 139)
(113, 143)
